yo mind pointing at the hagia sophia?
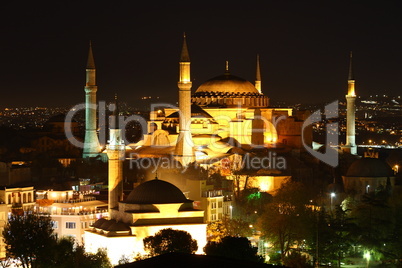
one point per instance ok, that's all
(225, 119)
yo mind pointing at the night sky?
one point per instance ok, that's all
(303, 46)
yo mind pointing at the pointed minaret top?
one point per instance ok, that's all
(258, 72)
(227, 67)
(350, 77)
(116, 109)
(185, 57)
(115, 118)
(91, 62)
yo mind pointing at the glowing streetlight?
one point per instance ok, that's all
(332, 196)
(367, 257)
(367, 189)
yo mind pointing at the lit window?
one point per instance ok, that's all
(55, 224)
(70, 225)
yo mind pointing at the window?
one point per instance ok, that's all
(84, 225)
(70, 225)
(55, 224)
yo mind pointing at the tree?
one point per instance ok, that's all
(334, 231)
(238, 227)
(66, 253)
(28, 237)
(373, 216)
(286, 219)
(216, 231)
(170, 240)
(233, 247)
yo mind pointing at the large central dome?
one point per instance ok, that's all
(228, 91)
(227, 83)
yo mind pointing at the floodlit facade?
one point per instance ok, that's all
(71, 213)
(13, 198)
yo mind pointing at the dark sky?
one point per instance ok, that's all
(303, 45)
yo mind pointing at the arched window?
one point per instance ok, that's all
(24, 198)
(9, 199)
(29, 197)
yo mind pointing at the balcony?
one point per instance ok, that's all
(78, 200)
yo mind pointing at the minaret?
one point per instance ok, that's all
(350, 112)
(258, 76)
(116, 155)
(91, 143)
(184, 151)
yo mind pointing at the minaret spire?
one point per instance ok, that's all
(184, 151)
(350, 76)
(114, 119)
(91, 143)
(185, 56)
(351, 80)
(258, 76)
(90, 62)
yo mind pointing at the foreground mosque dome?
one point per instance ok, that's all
(156, 192)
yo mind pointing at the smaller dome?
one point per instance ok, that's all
(98, 223)
(156, 192)
(118, 226)
(105, 225)
(369, 167)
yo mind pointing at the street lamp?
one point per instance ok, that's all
(367, 189)
(332, 196)
(367, 257)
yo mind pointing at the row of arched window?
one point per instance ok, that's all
(19, 198)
